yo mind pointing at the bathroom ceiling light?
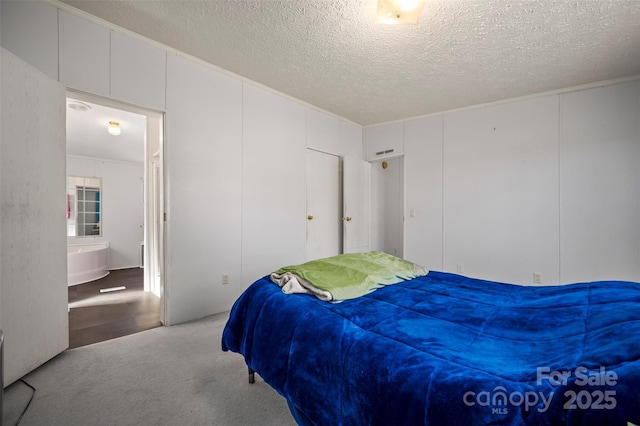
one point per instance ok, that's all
(114, 128)
(398, 11)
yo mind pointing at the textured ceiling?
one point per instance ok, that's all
(330, 54)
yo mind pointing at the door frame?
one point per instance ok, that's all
(154, 118)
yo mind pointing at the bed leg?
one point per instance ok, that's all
(252, 375)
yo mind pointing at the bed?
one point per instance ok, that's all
(445, 349)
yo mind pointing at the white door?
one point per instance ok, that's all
(356, 205)
(323, 205)
(33, 251)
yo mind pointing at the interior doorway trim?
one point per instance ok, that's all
(153, 249)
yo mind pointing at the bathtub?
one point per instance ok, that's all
(87, 262)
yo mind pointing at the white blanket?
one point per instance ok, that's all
(291, 283)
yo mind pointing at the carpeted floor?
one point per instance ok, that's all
(165, 376)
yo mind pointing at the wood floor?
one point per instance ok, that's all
(96, 316)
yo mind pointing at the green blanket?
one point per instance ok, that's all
(346, 276)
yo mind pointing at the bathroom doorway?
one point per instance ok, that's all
(117, 149)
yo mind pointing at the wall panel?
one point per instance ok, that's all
(384, 141)
(501, 191)
(203, 167)
(29, 29)
(332, 135)
(84, 54)
(273, 189)
(137, 72)
(600, 183)
(423, 191)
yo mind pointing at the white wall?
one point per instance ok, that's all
(29, 29)
(548, 185)
(234, 169)
(235, 173)
(500, 190)
(387, 206)
(33, 267)
(273, 189)
(600, 183)
(203, 161)
(122, 218)
(423, 192)
(329, 134)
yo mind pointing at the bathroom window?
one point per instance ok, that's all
(84, 206)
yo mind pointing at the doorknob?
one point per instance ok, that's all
(348, 219)
(309, 217)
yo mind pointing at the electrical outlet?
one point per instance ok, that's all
(460, 268)
(537, 278)
(225, 279)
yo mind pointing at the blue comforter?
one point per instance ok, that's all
(447, 349)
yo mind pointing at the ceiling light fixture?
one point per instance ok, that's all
(398, 11)
(114, 128)
(78, 106)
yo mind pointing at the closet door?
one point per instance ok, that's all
(323, 205)
(356, 205)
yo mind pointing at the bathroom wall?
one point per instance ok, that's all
(122, 219)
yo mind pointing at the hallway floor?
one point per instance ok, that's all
(95, 316)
